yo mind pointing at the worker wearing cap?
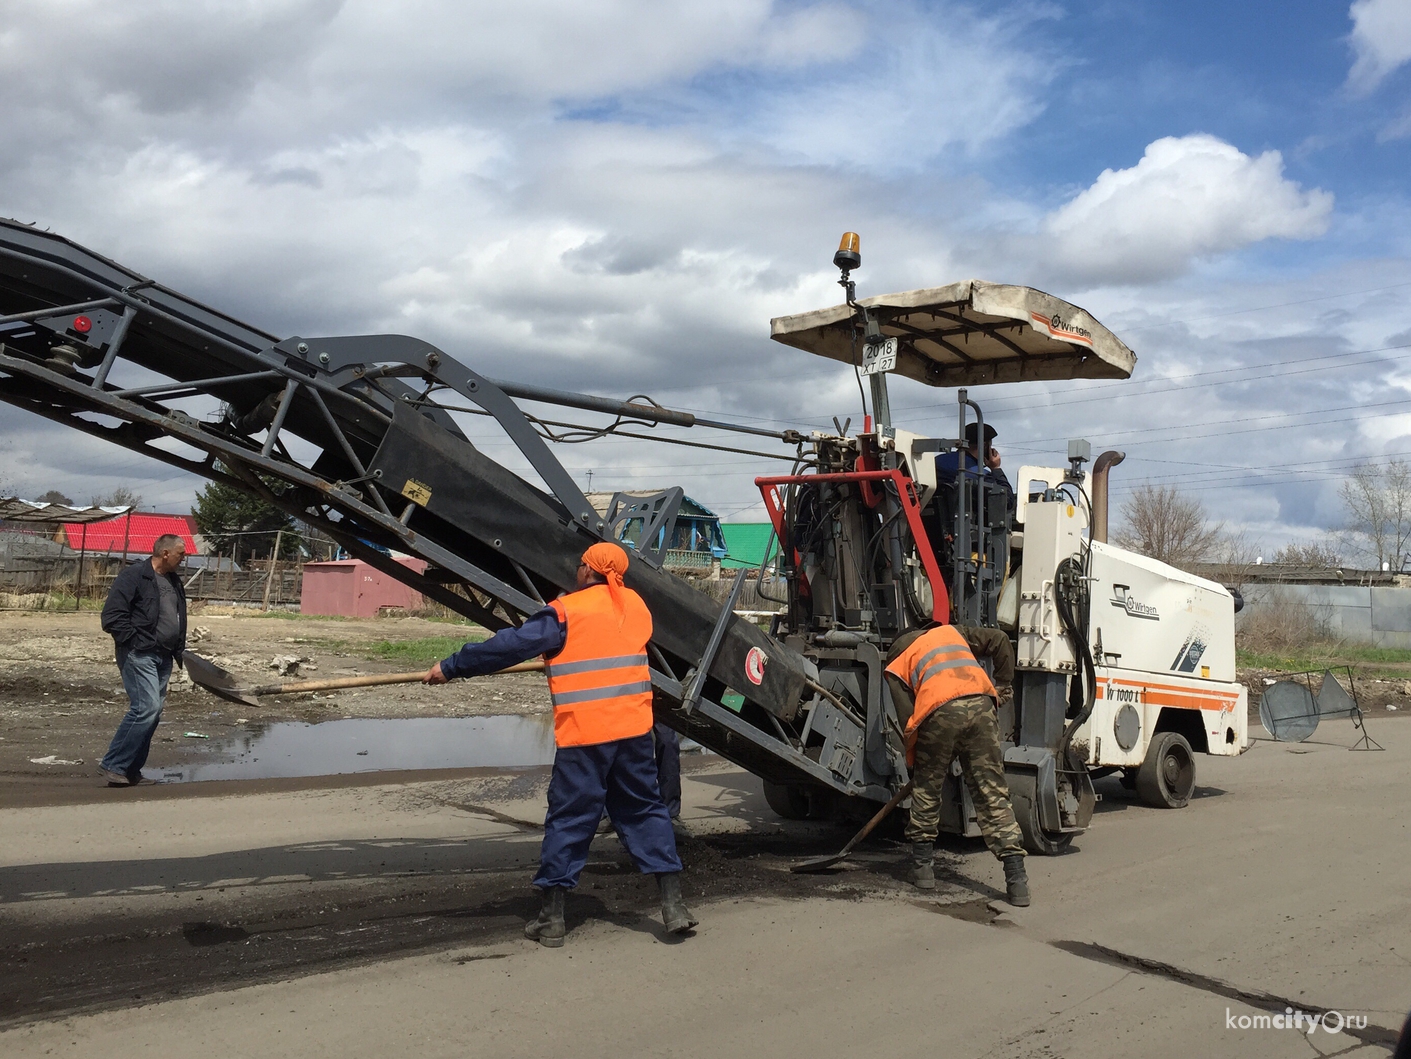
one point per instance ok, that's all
(595, 641)
(948, 463)
(948, 703)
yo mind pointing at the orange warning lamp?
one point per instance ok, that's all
(849, 255)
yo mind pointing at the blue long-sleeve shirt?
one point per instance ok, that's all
(947, 463)
(541, 634)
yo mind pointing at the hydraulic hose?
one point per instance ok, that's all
(1069, 589)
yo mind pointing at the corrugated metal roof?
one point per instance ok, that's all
(13, 509)
(601, 501)
(137, 532)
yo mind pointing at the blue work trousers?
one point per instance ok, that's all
(621, 776)
(668, 753)
(144, 676)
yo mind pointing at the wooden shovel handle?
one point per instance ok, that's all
(882, 814)
(372, 680)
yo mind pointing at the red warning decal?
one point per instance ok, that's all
(754, 665)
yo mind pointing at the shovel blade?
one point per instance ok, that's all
(818, 863)
(218, 681)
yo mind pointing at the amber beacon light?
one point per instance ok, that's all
(849, 255)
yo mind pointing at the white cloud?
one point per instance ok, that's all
(1381, 41)
(1188, 199)
(614, 197)
(963, 81)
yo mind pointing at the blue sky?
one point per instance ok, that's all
(618, 196)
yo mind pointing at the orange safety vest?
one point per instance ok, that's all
(938, 667)
(599, 682)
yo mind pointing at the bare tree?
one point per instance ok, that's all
(1166, 524)
(1378, 503)
(1232, 558)
(122, 496)
(1319, 555)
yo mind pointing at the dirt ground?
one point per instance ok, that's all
(61, 697)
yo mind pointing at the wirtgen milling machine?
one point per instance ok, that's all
(1124, 663)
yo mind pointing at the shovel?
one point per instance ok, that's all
(819, 863)
(221, 682)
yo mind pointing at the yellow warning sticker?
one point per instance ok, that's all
(417, 492)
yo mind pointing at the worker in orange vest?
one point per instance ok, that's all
(595, 641)
(948, 702)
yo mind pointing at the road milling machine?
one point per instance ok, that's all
(1124, 664)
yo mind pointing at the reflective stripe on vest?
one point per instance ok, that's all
(599, 682)
(920, 672)
(939, 668)
(573, 698)
(621, 662)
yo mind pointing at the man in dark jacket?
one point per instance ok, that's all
(145, 614)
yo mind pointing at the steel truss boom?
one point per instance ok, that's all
(390, 471)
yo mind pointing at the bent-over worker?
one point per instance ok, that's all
(595, 641)
(948, 702)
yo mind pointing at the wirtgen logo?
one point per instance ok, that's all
(1122, 597)
(1308, 1022)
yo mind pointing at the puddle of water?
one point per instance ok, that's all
(292, 748)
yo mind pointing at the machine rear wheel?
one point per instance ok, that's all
(792, 803)
(1024, 798)
(1166, 779)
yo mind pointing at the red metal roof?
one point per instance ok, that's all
(138, 530)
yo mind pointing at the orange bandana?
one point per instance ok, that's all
(610, 560)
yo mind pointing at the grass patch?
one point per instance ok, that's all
(426, 650)
(1369, 661)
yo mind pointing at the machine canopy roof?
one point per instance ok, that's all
(967, 334)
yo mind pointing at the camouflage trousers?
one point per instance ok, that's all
(964, 728)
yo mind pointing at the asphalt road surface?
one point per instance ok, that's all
(373, 918)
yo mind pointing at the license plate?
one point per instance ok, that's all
(878, 357)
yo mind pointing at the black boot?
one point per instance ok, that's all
(923, 859)
(675, 915)
(549, 928)
(1016, 881)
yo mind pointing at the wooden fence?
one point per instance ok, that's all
(48, 583)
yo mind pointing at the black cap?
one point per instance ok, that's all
(972, 431)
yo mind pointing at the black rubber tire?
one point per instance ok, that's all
(792, 803)
(1037, 841)
(1166, 779)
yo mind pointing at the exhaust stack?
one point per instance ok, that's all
(1109, 459)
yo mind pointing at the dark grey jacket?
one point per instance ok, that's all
(133, 606)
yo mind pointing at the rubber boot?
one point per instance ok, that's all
(1016, 881)
(549, 928)
(675, 916)
(923, 859)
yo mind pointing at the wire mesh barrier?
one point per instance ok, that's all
(1291, 710)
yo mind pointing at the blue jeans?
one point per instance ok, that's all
(621, 775)
(144, 676)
